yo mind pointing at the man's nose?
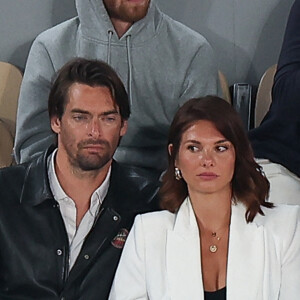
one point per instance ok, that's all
(95, 129)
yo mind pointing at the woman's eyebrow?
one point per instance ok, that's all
(193, 141)
(221, 141)
(199, 143)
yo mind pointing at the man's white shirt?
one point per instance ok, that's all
(67, 207)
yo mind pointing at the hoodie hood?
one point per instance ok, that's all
(96, 24)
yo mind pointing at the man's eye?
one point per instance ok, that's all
(109, 119)
(79, 117)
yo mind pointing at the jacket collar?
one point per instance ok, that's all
(245, 256)
(123, 192)
(95, 23)
(182, 254)
(36, 188)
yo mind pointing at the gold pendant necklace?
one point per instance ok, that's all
(214, 248)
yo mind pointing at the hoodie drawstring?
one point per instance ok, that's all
(110, 34)
(108, 60)
(129, 69)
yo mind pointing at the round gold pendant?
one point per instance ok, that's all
(213, 248)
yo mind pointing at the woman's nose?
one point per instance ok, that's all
(206, 159)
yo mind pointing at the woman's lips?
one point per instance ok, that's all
(208, 176)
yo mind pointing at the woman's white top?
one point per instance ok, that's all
(162, 260)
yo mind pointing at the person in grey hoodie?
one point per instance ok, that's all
(161, 62)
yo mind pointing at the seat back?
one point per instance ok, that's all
(264, 95)
(224, 87)
(10, 82)
(6, 146)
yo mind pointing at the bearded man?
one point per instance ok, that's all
(65, 216)
(162, 63)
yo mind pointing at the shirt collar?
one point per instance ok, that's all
(60, 195)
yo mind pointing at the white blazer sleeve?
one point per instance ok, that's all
(130, 280)
(290, 288)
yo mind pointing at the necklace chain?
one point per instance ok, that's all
(213, 248)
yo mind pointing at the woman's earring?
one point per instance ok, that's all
(178, 175)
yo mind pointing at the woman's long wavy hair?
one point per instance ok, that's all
(249, 185)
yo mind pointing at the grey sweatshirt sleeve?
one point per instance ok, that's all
(33, 131)
(201, 78)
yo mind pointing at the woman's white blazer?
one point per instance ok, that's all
(161, 258)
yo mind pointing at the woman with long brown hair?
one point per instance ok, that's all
(219, 236)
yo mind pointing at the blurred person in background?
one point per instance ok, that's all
(161, 62)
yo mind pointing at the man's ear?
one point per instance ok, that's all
(55, 124)
(124, 127)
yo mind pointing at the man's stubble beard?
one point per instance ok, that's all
(90, 162)
(131, 15)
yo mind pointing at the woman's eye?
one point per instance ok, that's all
(222, 148)
(192, 148)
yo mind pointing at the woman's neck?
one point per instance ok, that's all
(213, 210)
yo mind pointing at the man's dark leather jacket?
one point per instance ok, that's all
(34, 244)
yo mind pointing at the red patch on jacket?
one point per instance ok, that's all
(120, 238)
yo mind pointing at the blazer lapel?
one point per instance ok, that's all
(245, 257)
(183, 261)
